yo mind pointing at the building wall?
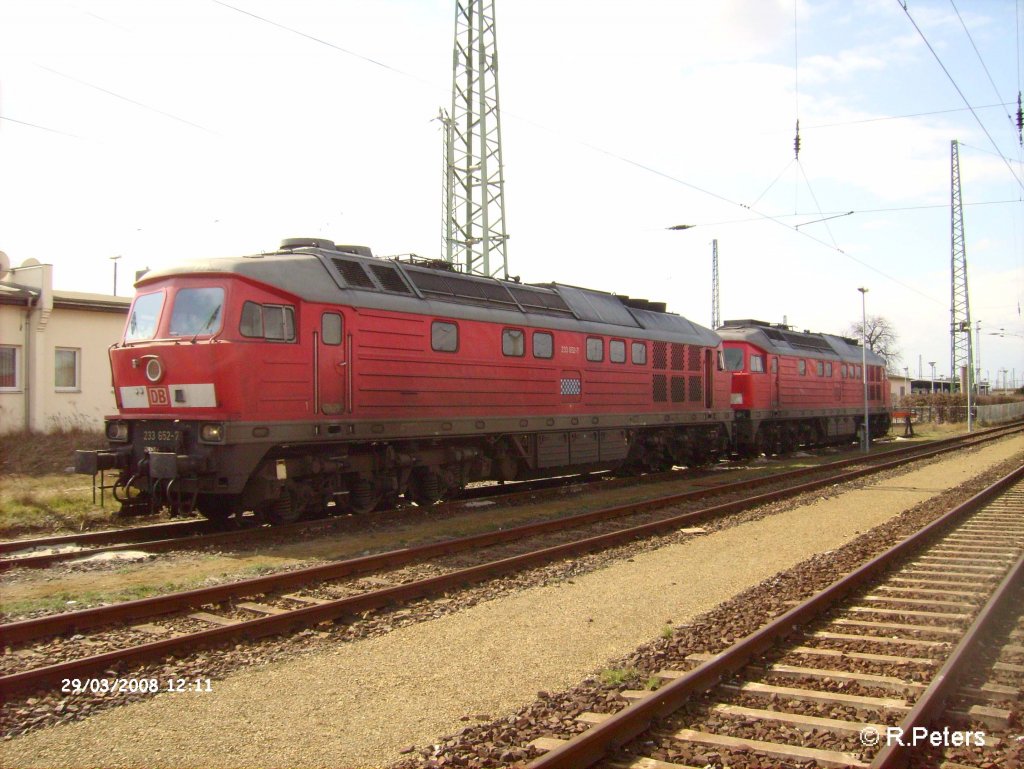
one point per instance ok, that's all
(81, 328)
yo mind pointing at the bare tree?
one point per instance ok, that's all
(881, 337)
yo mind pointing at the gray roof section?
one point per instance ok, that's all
(804, 344)
(319, 275)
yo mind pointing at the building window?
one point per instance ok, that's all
(595, 349)
(617, 351)
(66, 369)
(639, 353)
(801, 367)
(513, 342)
(543, 345)
(10, 370)
(757, 364)
(444, 336)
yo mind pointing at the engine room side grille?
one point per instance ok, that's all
(678, 389)
(389, 278)
(660, 388)
(660, 356)
(678, 357)
(353, 273)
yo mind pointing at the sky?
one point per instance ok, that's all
(162, 131)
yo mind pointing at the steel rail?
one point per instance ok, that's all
(597, 742)
(193, 534)
(84, 619)
(931, 703)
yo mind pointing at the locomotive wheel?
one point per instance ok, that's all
(363, 497)
(425, 488)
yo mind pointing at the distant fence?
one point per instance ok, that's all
(1000, 412)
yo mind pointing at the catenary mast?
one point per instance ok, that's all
(961, 359)
(474, 192)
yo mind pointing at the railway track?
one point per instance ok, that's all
(146, 630)
(856, 676)
(197, 534)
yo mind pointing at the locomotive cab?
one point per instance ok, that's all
(181, 390)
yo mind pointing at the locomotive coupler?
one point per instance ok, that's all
(167, 464)
(92, 462)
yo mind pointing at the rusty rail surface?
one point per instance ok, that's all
(304, 617)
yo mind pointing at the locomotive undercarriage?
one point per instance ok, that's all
(757, 435)
(281, 483)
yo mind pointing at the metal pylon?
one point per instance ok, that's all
(716, 313)
(474, 199)
(960, 355)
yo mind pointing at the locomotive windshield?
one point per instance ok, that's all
(197, 311)
(144, 317)
(733, 359)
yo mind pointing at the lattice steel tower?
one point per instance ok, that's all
(716, 313)
(474, 195)
(960, 354)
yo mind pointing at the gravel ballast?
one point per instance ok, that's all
(362, 703)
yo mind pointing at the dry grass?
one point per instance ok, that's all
(37, 494)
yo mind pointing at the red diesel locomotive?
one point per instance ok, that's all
(317, 374)
(791, 388)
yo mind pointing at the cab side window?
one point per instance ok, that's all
(272, 322)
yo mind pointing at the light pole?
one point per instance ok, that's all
(864, 364)
(932, 364)
(114, 260)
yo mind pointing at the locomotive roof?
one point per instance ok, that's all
(785, 341)
(319, 271)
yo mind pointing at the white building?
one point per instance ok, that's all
(54, 368)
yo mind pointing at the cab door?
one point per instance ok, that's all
(331, 365)
(773, 368)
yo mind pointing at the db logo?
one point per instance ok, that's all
(158, 396)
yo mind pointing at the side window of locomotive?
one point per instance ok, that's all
(543, 345)
(639, 353)
(145, 316)
(252, 321)
(820, 368)
(617, 351)
(197, 311)
(595, 349)
(513, 342)
(444, 337)
(842, 371)
(775, 365)
(330, 328)
(801, 367)
(733, 359)
(757, 364)
(828, 369)
(273, 322)
(278, 323)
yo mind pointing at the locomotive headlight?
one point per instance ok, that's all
(154, 369)
(212, 433)
(117, 431)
